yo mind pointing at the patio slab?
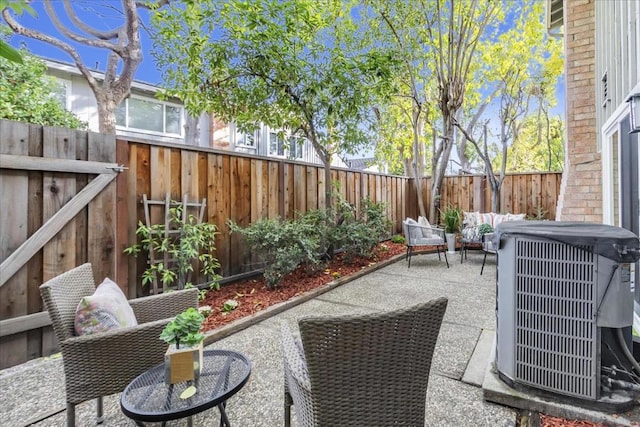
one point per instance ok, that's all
(450, 402)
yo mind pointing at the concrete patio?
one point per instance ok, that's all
(35, 391)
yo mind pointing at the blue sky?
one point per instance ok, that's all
(102, 16)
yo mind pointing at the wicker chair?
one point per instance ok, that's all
(413, 235)
(104, 363)
(365, 370)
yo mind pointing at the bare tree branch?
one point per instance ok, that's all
(19, 29)
(103, 35)
(73, 36)
(152, 5)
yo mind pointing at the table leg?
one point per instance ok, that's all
(189, 421)
(224, 420)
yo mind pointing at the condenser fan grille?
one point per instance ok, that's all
(555, 329)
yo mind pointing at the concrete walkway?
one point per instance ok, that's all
(35, 390)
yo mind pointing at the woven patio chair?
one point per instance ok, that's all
(419, 235)
(364, 370)
(104, 363)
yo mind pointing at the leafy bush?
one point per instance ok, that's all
(398, 238)
(191, 241)
(359, 234)
(283, 245)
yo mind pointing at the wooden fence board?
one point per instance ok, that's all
(274, 190)
(122, 223)
(60, 253)
(188, 176)
(322, 185)
(312, 187)
(300, 189)
(157, 169)
(101, 236)
(14, 224)
(40, 342)
(174, 183)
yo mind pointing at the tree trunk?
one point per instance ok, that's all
(192, 131)
(495, 197)
(106, 114)
(416, 161)
(439, 168)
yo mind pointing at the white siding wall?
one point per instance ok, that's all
(617, 45)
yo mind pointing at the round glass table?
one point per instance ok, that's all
(149, 398)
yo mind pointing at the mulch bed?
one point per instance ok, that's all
(254, 296)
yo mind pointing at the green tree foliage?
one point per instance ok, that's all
(523, 66)
(291, 64)
(27, 95)
(436, 42)
(18, 7)
(540, 147)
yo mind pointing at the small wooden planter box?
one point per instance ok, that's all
(183, 364)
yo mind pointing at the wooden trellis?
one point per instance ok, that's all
(167, 231)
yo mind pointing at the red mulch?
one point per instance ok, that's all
(253, 295)
(549, 421)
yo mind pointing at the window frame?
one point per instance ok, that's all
(257, 133)
(67, 96)
(164, 104)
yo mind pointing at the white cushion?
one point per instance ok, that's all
(499, 218)
(470, 219)
(424, 222)
(106, 309)
(415, 233)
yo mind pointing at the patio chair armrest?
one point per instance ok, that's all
(294, 360)
(162, 306)
(104, 363)
(438, 230)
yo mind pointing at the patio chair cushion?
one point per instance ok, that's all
(106, 309)
(427, 231)
(416, 233)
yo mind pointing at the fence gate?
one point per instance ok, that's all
(58, 193)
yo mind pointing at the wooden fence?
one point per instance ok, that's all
(65, 201)
(533, 194)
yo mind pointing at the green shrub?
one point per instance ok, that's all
(359, 234)
(398, 238)
(192, 241)
(282, 245)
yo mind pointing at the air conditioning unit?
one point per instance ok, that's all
(565, 310)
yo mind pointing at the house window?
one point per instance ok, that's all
(247, 139)
(276, 144)
(62, 93)
(150, 116)
(296, 145)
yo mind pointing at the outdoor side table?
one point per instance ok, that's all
(149, 398)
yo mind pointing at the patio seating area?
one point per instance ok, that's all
(34, 391)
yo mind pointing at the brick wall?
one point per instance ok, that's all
(581, 190)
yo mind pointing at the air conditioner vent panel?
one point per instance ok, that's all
(555, 327)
